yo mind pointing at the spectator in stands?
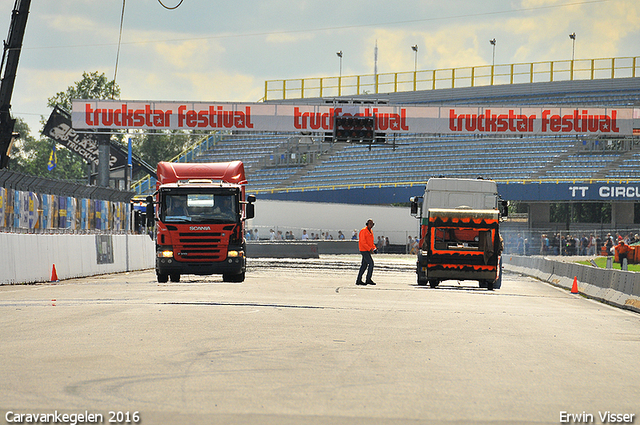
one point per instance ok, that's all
(555, 245)
(586, 241)
(366, 247)
(354, 235)
(305, 237)
(544, 244)
(519, 244)
(340, 235)
(591, 248)
(609, 244)
(256, 236)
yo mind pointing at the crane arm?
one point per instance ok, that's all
(8, 70)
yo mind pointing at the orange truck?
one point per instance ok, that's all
(459, 232)
(200, 212)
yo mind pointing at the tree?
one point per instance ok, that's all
(151, 147)
(30, 155)
(156, 146)
(580, 212)
(91, 86)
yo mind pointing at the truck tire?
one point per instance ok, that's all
(162, 277)
(175, 277)
(487, 284)
(434, 283)
(422, 277)
(498, 283)
(233, 277)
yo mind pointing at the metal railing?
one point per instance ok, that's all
(484, 75)
(30, 204)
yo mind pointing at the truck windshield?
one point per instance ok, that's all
(200, 208)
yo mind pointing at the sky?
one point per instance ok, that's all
(210, 50)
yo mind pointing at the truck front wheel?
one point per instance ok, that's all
(233, 277)
(162, 277)
(487, 284)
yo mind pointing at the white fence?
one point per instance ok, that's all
(28, 258)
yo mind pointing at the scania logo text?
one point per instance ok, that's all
(200, 228)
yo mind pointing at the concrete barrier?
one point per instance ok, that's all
(282, 250)
(29, 258)
(615, 287)
(300, 249)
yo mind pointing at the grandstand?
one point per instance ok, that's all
(278, 162)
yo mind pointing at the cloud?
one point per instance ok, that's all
(214, 85)
(182, 55)
(73, 24)
(288, 37)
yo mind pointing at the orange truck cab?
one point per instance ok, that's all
(459, 232)
(200, 212)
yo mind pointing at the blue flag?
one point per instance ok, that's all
(53, 159)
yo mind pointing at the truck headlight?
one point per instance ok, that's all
(235, 254)
(165, 254)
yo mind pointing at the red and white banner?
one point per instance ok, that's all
(402, 119)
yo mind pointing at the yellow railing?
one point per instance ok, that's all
(485, 75)
(422, 183)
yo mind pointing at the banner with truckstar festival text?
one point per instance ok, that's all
(401, 119)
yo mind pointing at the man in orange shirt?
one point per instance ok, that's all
(366, 247)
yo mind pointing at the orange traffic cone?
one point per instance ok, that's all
(54, 275)
(574, 288)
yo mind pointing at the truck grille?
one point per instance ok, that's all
(201, 246)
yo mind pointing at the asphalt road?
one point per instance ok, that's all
(299, 343)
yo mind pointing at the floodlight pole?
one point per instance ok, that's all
(572, 36)
(340, 75)
(493, 59)
(415, 66)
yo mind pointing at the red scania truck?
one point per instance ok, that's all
(459, 232)
(200, 211)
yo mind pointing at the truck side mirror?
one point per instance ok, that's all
(150, 213)
(504, 208)
(414, 206)
(250, 209)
